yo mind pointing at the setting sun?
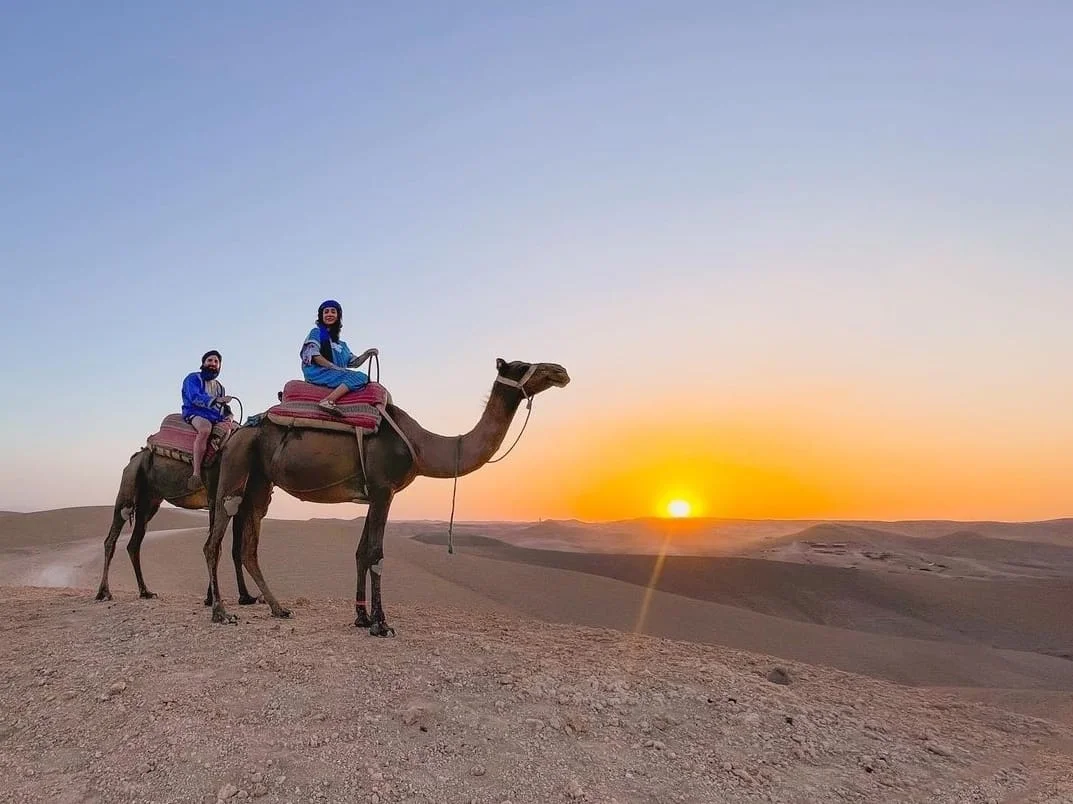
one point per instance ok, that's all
(678, 508)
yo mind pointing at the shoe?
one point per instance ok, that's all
(330, 406)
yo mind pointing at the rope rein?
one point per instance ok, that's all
(454, 492)
(520, 385)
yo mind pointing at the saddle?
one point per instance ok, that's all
(360, 412)
(175, 439)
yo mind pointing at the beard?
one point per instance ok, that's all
(209, 373)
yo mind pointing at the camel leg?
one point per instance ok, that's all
(212, 521)
(147, 509)
(219, 517)
(118, 519)
(254, 507)
(373, 557)
(244, 596)
(125, 505)
(238, 526)
(224, 503)
(212, 562)
(362, 618)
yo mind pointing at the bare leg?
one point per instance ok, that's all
(147, 509)
(255, 506)
(373, 557)
(201, 443)
(362, 619)
(328, 403)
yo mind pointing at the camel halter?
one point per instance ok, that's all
(520, 385)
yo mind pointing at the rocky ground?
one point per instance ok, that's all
(147, 701)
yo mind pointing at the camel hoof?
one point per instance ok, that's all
(103, 594)
(363, 620)
(147, 595)
(208, 601)
(282, 613)
(219, 615)
(248, 600)
(381, 629)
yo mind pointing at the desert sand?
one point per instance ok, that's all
(642, 661)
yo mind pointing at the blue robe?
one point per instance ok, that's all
(331, 377)
(197, 401)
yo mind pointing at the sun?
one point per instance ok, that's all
(678, 508)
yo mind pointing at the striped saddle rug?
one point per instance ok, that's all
(358, 410)
(175, 439)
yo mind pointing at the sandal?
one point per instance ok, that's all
(330, 406)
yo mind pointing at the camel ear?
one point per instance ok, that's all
(500, 364)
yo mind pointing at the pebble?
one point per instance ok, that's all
(779, 675)
(938, 749)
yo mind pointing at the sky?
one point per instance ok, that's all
(800, 260)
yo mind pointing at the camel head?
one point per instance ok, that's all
(531, 378)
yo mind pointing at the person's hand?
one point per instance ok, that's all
(224, 399)
(372, 352)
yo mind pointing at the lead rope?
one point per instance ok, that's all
(458, 458)
(454, 492)
(528, 410)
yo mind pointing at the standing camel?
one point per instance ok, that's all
(328, 467)
(148, 480)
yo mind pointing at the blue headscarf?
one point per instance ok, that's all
(328, 334)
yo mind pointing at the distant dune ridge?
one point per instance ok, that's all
(974, 616)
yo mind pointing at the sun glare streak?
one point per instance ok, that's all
(650, 587)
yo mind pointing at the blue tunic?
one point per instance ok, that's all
(331, 377)
(197, 401)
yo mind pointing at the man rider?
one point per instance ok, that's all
(204, 405)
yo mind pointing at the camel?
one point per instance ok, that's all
(332, 467)
(147, 481)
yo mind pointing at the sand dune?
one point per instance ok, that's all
(1031, 615)
(595, 677)
(702, 536)
(909, 630)
(62, 525)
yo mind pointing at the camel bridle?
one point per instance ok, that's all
(520, 385)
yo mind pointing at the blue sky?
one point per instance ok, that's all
(681, 202)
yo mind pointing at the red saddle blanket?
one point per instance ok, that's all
(360, 409)
(175, 439)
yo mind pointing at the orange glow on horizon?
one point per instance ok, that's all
(750, 458)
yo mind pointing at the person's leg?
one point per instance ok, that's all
(201, 441)
(353, 382)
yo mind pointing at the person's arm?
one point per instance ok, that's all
(358, 360)
(311, 354)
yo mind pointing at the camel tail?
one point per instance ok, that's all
(132, 485)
